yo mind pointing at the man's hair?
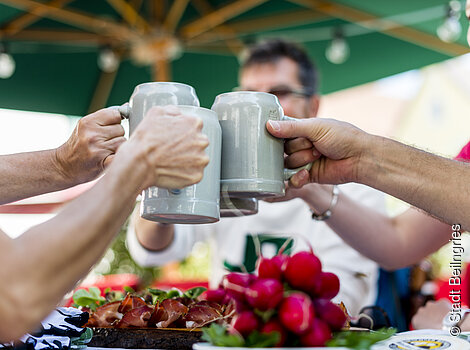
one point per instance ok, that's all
(271, 51)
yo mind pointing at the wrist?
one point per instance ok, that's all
(327, 213)
(131, 167)
(61, 163)
(369, 160)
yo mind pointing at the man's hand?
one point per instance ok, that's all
(92, 146)
(338, 146)
(172, 146)
(430, 316)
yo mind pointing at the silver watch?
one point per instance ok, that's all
(453, 319)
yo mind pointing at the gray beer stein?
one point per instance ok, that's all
(198, 203)
(252, 159)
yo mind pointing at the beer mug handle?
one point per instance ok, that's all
(288, 173)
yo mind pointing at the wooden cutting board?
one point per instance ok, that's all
(145, 338)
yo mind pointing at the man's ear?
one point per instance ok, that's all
(313, 105)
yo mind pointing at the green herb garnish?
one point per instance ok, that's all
(360, 340)
(90, 298)
(217, 335)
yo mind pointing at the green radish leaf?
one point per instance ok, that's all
(193, 293)
(262, 340)
(360, 340)
(217, 335)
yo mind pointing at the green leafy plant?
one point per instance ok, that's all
(360, 340)
(159, 295)
(90, 298)
(217, 335)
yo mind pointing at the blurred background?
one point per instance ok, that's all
(393, 68)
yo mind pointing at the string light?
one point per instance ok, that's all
(450, 29)
(337, 51)
(7, 63)
(108, 61)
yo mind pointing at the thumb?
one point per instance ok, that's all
(290, 129)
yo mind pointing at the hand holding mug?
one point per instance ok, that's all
(172, 145)
(337, 149)
(92, 145)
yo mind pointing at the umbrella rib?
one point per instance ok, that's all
(217, 17)
(243, 27)
(27, 19)
(102, 91)
(174, 15)
(130, 15)
(75, 18)
(387, 27)
(234, 44)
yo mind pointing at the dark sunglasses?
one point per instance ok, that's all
(283, 91)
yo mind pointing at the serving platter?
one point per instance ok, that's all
(207, 346)
(145, 338)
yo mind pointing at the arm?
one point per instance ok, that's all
(152, 236)
(359, 226)
(163, 151)
(154, 244)
(85, 154)
(348, 154)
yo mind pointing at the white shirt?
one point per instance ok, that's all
(357, 274)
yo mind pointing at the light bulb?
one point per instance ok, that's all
(337, 51)
(108, 61)
(7, 65)
(450, 29)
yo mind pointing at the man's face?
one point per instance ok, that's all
(280, 77)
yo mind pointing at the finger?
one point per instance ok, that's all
(300, 179)
(106, 116)
(108, 160)
(300, 158)
(291, 129)
(112, 145)
(112, 131)
(297, 144)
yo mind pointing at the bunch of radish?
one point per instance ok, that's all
(289, 295)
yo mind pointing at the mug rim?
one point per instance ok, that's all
(246, 92)
(166, 83)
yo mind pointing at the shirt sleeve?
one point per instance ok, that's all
(178, 249)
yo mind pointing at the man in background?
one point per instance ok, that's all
(283, 69)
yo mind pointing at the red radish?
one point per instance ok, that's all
(327, 286)
(280, 260)
(245, 323)
(317, 335)
(235, 303)
(235, 284)
(268, 268)
(302, 271)
(330, 313)
(264, 293)
(296, 312)
(216, 295)
(273, 325)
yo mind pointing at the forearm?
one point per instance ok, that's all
(151, 235)
(24, 175)
(368, 231)
(75, 239)
(432, 183)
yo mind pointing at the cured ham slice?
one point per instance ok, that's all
(137, 317)
(105, 316)
(167, 312)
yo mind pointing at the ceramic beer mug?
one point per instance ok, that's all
(232, 207)
(194, 204)
(252, 159)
